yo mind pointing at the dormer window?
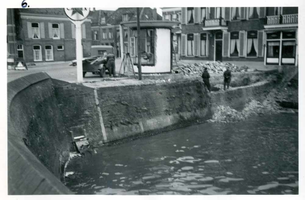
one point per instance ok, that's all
(103, 20)
(125, 18)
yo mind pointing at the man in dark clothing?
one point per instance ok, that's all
(206, 78)
(227, 79)
(111, 64)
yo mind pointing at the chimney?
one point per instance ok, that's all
(155, 14)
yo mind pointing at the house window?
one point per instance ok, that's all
(174, 17)
(203, 44)
(55, 31)
(110, 34)
(252, 43)
(179, 17)
(49, 53)
(95, 35)
(273, 49)
(37, 53)
(253, 12)
(20, 50)
(125, 18)
(60, 47)
(234, 44)
(218, 12)
(203, 14)
(103, 20)
(35, 31)
(236, 13)
(104, 35)
(190, 15)
(288, 49)
(190, 44)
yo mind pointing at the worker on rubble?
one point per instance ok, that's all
(206, 78)
(227, 78)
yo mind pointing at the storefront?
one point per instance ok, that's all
(281, 47)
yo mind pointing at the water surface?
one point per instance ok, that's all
(257, 156)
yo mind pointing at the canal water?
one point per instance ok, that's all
(257, 156)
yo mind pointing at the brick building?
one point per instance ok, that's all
(263, 34)
(46, 35)
(106, 26)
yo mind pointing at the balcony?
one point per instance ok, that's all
(290, 19)
(214, 24)
(282, 19)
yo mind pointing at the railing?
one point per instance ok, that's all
(290, 19)
(282, 19)
(271, 20)
(214, 22)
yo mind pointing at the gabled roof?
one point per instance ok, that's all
(98, 14)
(147, 14)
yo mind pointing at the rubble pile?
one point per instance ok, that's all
(213, 67)
(226, 114)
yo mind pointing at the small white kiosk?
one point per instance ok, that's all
(155, 45)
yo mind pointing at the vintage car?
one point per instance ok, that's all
(94, 64)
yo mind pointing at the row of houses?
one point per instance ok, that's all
(47, 35)
(263, 34)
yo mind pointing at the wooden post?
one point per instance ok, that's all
(138, 41)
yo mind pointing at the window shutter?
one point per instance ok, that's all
(62, 30)
(84, 31)
(262, 11)
(50, 30)
(242, 13)
(183, 15)
(227, 14)
(183, 44)
(242, 44)
(197, 15)
(260, 44)
(29, 29)
(226, 44)
(42, 32)
(73, 30)
(207, 45)
(197, 44)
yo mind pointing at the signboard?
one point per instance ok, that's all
(77, 14)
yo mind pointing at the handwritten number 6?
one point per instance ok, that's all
(24, 4)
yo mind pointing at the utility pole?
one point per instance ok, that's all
(138, 41)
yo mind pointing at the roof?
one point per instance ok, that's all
(96, 16)
(146, 14)
(151, 24)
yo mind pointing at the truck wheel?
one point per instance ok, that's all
(102, 73)
(84, 73)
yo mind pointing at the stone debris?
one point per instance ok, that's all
(213, 67)
(226, 114)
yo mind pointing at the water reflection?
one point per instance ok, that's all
(258, 156)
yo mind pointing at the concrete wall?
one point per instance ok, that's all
(38, 143)
(44, 113)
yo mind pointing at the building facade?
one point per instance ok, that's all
(174, 14)
(106, 26)
(260, 34)
(47, 35)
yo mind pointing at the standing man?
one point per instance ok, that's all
(111, 64)
(206, 78)
(227, 78)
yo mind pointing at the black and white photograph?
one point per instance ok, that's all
(148, 99)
